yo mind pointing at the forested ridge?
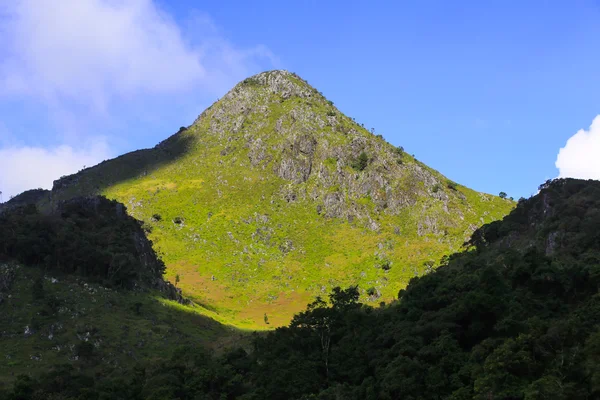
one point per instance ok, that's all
(91, 237)
(516, 315)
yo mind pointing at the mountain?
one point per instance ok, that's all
(273, 196)
(515, 316)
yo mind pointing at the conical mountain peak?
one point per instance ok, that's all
(281, 82)
(273, 196)
(261, 89)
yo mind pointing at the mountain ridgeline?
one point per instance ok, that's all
(273, 196)
(516, 315)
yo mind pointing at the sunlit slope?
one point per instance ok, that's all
(273, 196)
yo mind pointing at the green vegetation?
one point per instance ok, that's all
(451, 185)
(93, 294)
(257, 208)
(93, 238)
(516, 315)
(361, 162)
(50, 319)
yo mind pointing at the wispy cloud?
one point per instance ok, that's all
(90, 61)
(23, 168)
(93, 50)
(580, 158)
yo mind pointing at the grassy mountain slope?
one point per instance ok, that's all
(273, 196)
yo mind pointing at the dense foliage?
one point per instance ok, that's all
(90, 237)
(516, 316)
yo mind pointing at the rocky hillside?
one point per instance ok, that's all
(273, 196)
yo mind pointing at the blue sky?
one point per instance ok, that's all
(488, 93)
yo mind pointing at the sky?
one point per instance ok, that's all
(496, 95)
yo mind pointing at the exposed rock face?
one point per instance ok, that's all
(281, 83)
(304, 146)
(8, 274)
(171, 292)
(551, 243)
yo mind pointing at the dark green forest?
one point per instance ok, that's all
(89, 237)
(516, 315)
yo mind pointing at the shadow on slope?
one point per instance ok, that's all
(52, 319)
(94, 294)
(94, 180)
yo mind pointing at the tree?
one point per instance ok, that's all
(84, 350)
(361, 162)
(37, 290)
(344, 299)
(502, 195)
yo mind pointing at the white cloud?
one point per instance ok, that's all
(94, 66)
(94, 50)
(580, 158)
(23, 168)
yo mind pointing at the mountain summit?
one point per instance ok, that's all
(273, 196)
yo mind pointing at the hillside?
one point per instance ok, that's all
(515, 316)
(82, 285)
(273, 196)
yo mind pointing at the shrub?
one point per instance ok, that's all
(84, 350)
(37, 290)
(361, 162)
(385, 265)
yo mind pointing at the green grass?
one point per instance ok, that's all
(243, 250)
(124, 327)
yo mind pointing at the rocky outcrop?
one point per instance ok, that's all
(282, 83)
(171, 292)
(8, 274)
